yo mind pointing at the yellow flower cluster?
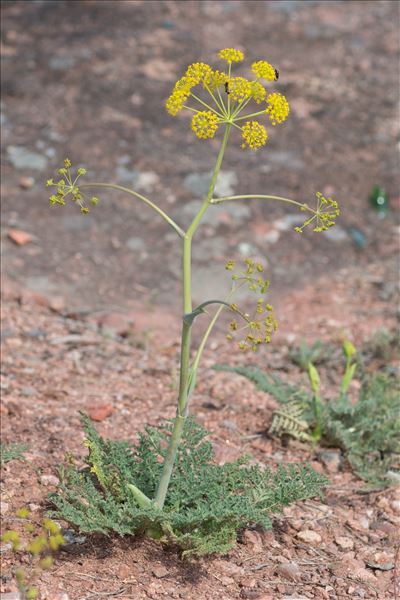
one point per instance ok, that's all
(197, 72)
(231, 55)
(67, 188)
(239, 88)
(324, 216)
(254, 135)
(179, 96)
(229, 97)
(264, 70)
(258, 92)
(215, 80)
(205, 124)
(259, 326)
(278, 108)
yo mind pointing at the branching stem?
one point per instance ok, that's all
(120, 188)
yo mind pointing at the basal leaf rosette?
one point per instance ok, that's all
(217, 97)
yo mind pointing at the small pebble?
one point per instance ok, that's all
(26, 183)
(309, 537)
(160, 572)
(346, 543)
(289, 571)
(49, 480)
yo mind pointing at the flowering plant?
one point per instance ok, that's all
(217, 100)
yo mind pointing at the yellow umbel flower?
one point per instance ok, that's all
(180, 94)
(215, 79)
(239, 88)
(198, 71)
(205, 124)
(254, 135)
(264, 70)
(258, 92)
(278, 108)
(231, 55)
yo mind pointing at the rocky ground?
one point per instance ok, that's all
(90, 319)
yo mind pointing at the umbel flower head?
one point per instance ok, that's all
(217, 97)
(251, 330)
(67, 188)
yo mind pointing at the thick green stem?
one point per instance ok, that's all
(184, 396)
(120, 188)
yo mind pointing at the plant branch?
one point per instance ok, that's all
(262, 196)
(158, 210)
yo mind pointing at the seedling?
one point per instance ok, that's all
(217, 100)
(367, 430)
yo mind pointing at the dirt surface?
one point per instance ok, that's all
(89, 318)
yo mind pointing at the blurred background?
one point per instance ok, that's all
(88, 80)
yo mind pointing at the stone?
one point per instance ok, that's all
(160, 572)
(11, 596)
(127, 175)
(234, 214)
(136, 244)
(395, 505)
(254, 539)
(4, 508)
(199, 183)
(23, 158)
(246, 249)
(49, 480)
(286, 159)
(99, 412)
(71, 537)
(74, 222)
(290, 571)
(344, 542)
(115, 323)
(19, 237)
(289, 221)
(309, 537)
(40, 284)
(147, 180)
(61, 63)
(331, 459)
(336, 234)
(215, 248)
(26, 183)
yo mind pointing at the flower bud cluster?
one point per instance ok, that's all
(259, 326)
(323, 216)
(67, 188)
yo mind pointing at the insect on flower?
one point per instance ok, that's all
(227, 87)
(276, 73)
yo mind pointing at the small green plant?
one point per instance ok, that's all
(304, 354)
(216, 99)
(206, 505)
(368, 431)
(10, 452)
(43, 541)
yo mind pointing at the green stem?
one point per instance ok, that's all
(183, 398)
(215, 100)
(256, 114)
(253, 196)
(206, 105)
(158, 210)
